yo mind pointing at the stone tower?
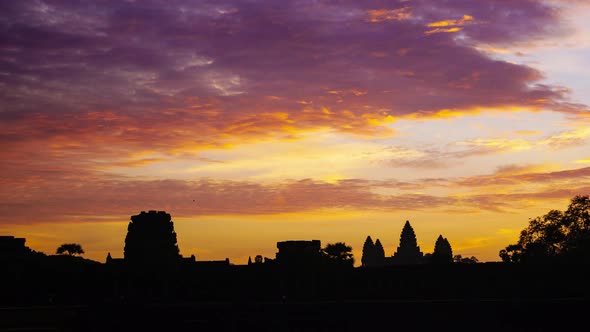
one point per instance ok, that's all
(443, 253)
(151, 240)
(408, 251)
(368, 258)
(379, 253)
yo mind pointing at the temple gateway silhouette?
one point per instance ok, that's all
(151, 242)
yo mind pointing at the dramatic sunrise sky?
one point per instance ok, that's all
(253, 122)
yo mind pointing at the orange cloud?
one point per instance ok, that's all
(460, 22)
(439, 30)
(100, 140)
(569, 138)
(64, 196)
(579, 176)
(380, 15)
(499, 144)
(466, 82)
(528, 132)
(137, 163)
(449, 26)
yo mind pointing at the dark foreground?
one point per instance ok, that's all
(422, 315)
(71, 294)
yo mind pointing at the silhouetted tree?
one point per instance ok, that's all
(577, 219)
(339, 253)
(470, 260)
(249, 260)
(151, 239)
(70, 249)
(556, 236)
(465, 260)
(368, 257)
(442, 251)
(379, 252)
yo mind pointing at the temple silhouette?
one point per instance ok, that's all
(407, 253)
(151, 239)
(305, 287)
(151, 242)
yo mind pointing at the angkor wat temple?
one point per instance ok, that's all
(408, 252)
(154, 288)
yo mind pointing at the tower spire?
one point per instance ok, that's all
(408, 251)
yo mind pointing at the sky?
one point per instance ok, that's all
(253, 122)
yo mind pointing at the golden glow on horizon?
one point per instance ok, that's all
(312, 155)
(207, 236)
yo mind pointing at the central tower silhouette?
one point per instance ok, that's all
(408, 251)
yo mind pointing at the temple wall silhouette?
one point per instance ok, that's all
(298, 252)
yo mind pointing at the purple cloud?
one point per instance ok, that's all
(60, 56)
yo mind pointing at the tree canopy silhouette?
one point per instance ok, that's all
(557, 236)
(339, 253)
(70, 249)
(465, 260)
